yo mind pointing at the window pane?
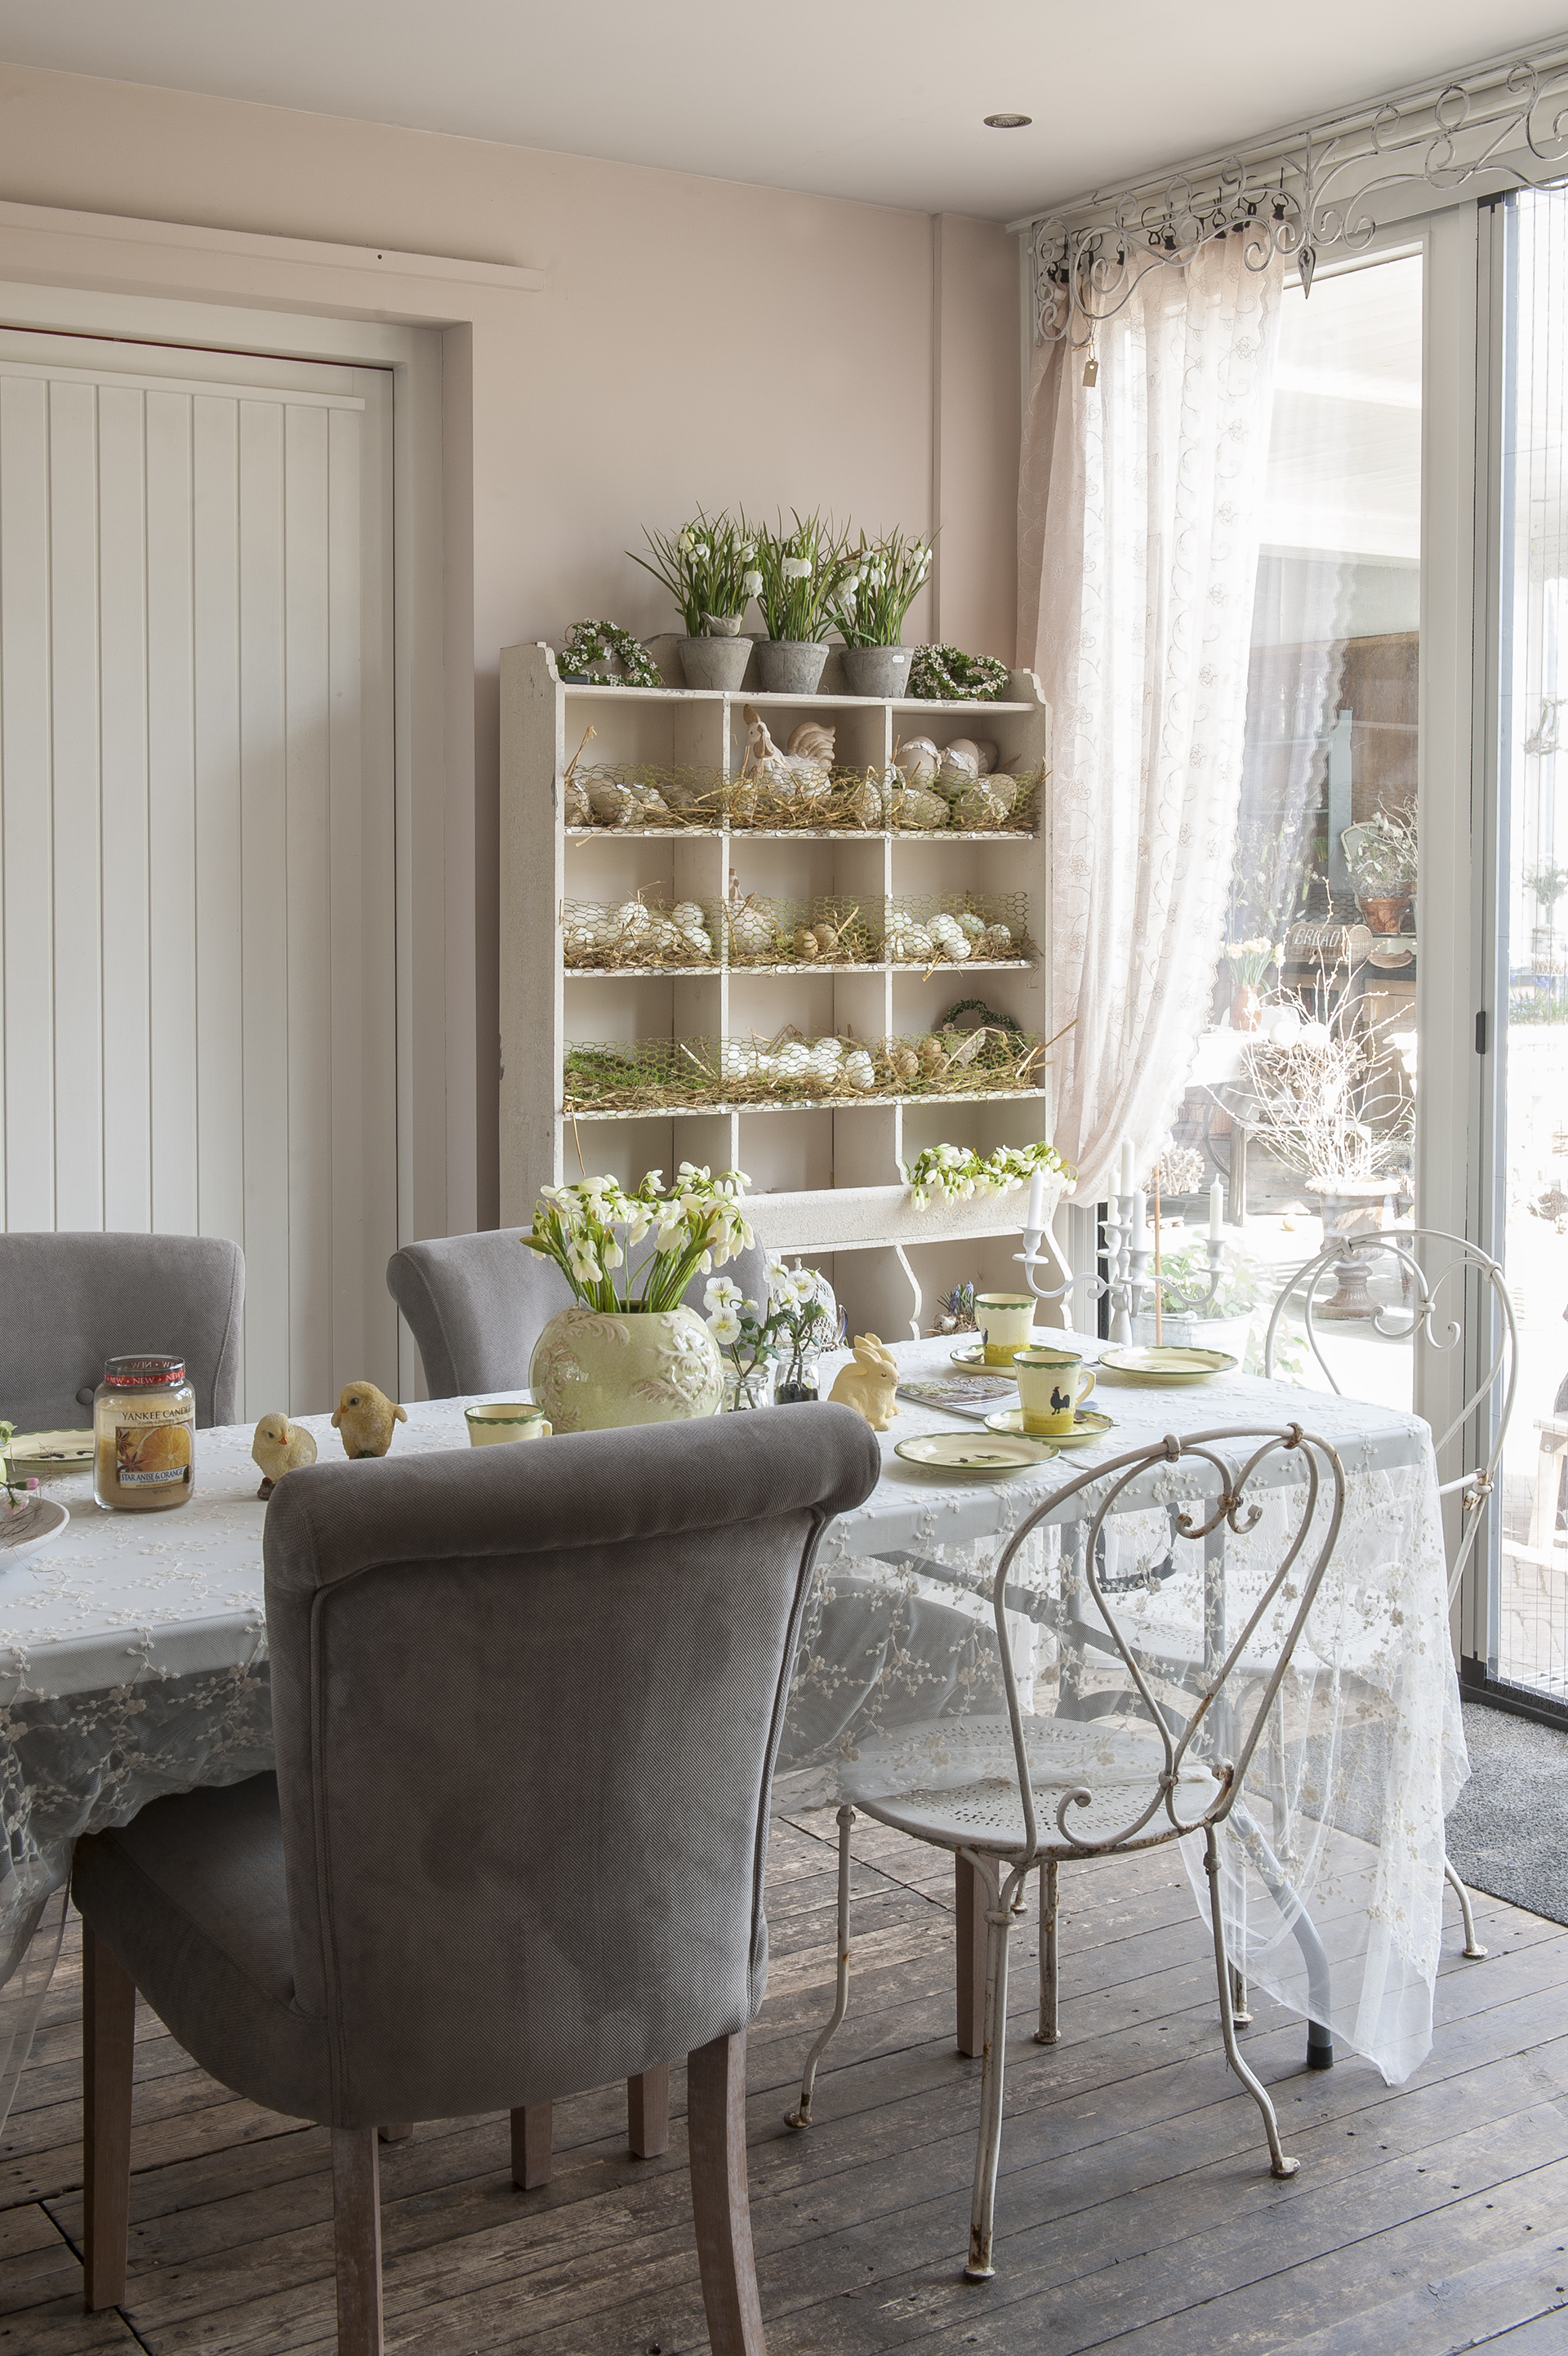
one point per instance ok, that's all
(1531, 1603)
(1304, 1093)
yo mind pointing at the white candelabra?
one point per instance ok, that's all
(1132, 1286)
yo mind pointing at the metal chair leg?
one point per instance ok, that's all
(1240, 2010)
(1471, 1948)
(801, 2116)
(1280, 2164)
(982, 2206)
(1050, 1896)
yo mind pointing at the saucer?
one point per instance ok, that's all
(954, 1453)
(973, 1358)
(1087, 1423)
(1165, 1363)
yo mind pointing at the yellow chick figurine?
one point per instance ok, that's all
(280, 1447)
(364, 1417)
(868, 1385)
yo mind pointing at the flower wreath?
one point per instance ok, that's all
(947, 675)
(589, 644)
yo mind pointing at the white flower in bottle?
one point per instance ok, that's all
(725, 1326)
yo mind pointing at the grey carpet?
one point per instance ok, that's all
(1509, 1835)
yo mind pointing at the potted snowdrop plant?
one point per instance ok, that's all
(629, 1350)
(881, 581)
(801, 571)
(709, 567)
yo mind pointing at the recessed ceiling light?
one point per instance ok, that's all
(1008, 122)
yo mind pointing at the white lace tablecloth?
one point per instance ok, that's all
(133, 1663)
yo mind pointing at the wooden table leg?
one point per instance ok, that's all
(970, 1891)
(532, 2145)
(109, 2031)
(647, 2112)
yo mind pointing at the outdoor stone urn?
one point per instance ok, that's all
(597, 1370)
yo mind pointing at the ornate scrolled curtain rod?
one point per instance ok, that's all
(1300, 190)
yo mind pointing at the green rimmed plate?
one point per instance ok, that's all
(972, 1358)
(968, 1457)
(50, 1451)
(1165, 1362)
(1088, 1424)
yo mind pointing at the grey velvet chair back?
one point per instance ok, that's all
(526, 1705)
(476, 1304)
(67, 1301)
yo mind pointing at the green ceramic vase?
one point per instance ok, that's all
(594, 1371)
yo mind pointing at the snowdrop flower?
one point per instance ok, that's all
(752, 584)
(795, 568)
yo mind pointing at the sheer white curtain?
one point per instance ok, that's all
(1141, 499)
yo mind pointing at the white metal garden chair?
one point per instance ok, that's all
(1430, 1304)
(1000, 1791)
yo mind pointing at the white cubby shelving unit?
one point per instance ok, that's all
(826, 1175)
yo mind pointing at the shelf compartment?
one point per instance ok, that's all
(709, 1073)
(644, 934)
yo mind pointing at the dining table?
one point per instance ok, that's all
(133, 1664)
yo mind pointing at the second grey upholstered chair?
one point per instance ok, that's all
(476, 1304)
(526, 1703)
(69, 1302)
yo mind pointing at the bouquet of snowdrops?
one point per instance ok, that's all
(882, 582)
(797, 1322)
(590, 1229)
(954, 1173)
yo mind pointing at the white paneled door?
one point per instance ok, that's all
(196, 858)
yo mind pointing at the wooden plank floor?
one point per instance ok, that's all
(1135, 2208)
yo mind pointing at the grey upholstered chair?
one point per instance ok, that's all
(69, 1302)
(476, 1304)
(526, 1705)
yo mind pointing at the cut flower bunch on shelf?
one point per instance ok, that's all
(954, 1173)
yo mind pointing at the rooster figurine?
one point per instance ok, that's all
(280, 1447)
(363, 1420)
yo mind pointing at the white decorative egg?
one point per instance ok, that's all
(917, 761)
(859, 1070)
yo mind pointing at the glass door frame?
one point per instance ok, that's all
(1477, 1630)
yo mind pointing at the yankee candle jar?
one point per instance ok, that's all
(143, 1435)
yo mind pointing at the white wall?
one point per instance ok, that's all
(696, 340)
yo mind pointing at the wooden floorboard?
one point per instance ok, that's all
(1135, 2209)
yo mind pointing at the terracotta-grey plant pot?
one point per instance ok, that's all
(714, 662)
(876, 671)
(789, 666)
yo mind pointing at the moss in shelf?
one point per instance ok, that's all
(990, 1059)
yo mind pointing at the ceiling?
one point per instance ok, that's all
(880, 99)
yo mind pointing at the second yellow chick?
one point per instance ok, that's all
(363, 1419)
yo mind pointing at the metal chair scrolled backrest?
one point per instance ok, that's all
(1230, 1462)
(1424, 1310)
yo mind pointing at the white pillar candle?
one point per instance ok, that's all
(1216, 1212)
(1126, 1185)
(1036, 1216)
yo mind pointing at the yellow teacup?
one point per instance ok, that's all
(1006, 1320)
(1051, 1383)
(502, 1420)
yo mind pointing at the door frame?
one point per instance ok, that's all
(417, 315)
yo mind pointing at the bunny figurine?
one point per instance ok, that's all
(868, 1385)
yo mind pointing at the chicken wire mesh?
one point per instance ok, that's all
(761, 929)
(708, 1074)
(642, 796)
(638, 933)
